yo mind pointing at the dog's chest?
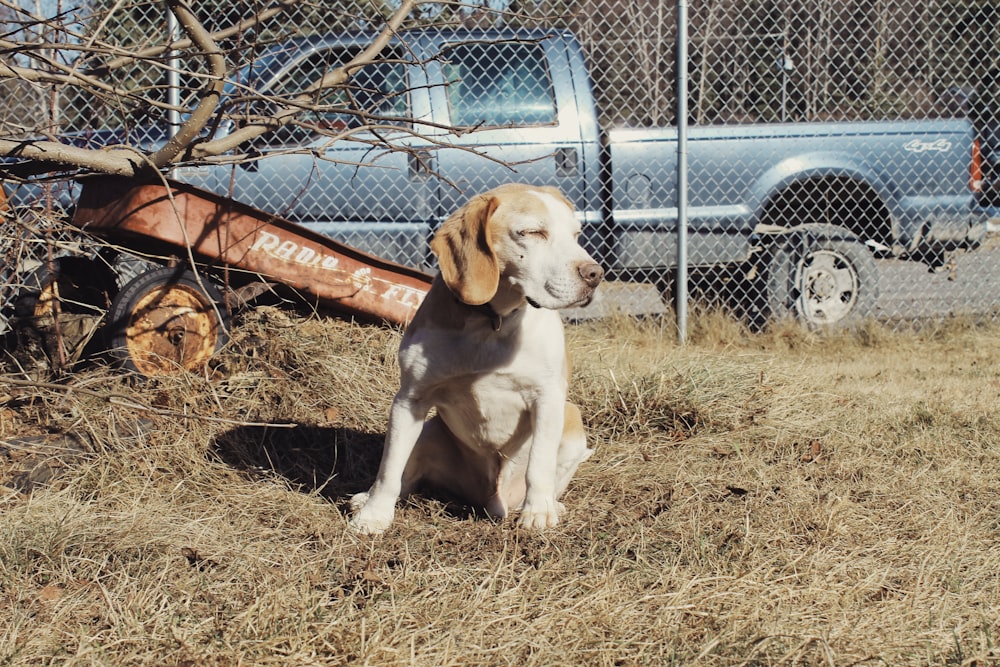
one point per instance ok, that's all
(525, 351)
(493, 381)
(487, 389)
(493, 410)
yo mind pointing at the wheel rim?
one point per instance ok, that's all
(171, 327)
(67, 295)
(828, 287)
(47, 303)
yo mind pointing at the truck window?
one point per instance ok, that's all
(375, 93)
(498, 84)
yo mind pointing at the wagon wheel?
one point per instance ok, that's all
(167, 321)
(65, 301)
(66, 285)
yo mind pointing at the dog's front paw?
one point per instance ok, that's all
(358, 501)
(366, 522)
(537, 516)
(369, 519)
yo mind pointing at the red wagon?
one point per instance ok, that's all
(173, 317)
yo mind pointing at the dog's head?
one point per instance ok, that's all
(521, 238)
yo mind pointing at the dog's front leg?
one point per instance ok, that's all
(376, 508)
(541, 508)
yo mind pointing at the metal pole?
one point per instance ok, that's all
(173, 76)
(681, 302)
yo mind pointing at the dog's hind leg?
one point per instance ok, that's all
(573, 449)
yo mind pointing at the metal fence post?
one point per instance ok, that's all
(173, 76)
(682, 256)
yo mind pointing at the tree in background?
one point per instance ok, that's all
(107, 64)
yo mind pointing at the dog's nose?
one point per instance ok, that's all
(592, 273)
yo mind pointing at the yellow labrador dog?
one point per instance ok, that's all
(486, 350)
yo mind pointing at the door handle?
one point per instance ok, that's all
(567, 162)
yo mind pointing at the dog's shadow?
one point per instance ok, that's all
(334, 462)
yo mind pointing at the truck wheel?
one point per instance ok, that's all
(165, 321)
(821, 275)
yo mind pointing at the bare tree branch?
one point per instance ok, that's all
(184, 143)
(184, 44)
(336, 77)
(58, 56)
(211, 94)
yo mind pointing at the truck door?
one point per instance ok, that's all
(347, 183)
(514, 118)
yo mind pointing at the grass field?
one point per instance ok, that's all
(785, 498)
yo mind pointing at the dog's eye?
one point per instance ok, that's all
(538, 233)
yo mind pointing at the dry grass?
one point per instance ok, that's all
(784, 498)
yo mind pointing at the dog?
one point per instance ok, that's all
(486, 350)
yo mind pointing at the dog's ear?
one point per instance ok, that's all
(465, 251)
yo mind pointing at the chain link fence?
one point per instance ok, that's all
(841, 153)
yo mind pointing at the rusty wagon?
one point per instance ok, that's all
(174, 316)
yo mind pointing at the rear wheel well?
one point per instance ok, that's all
(841, 201)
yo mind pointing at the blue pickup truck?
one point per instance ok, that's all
(801, 209)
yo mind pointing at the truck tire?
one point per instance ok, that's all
(166, 321)
(821, 275)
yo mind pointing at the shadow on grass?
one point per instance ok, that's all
(335, 462)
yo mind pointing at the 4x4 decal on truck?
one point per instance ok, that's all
(920, 146)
